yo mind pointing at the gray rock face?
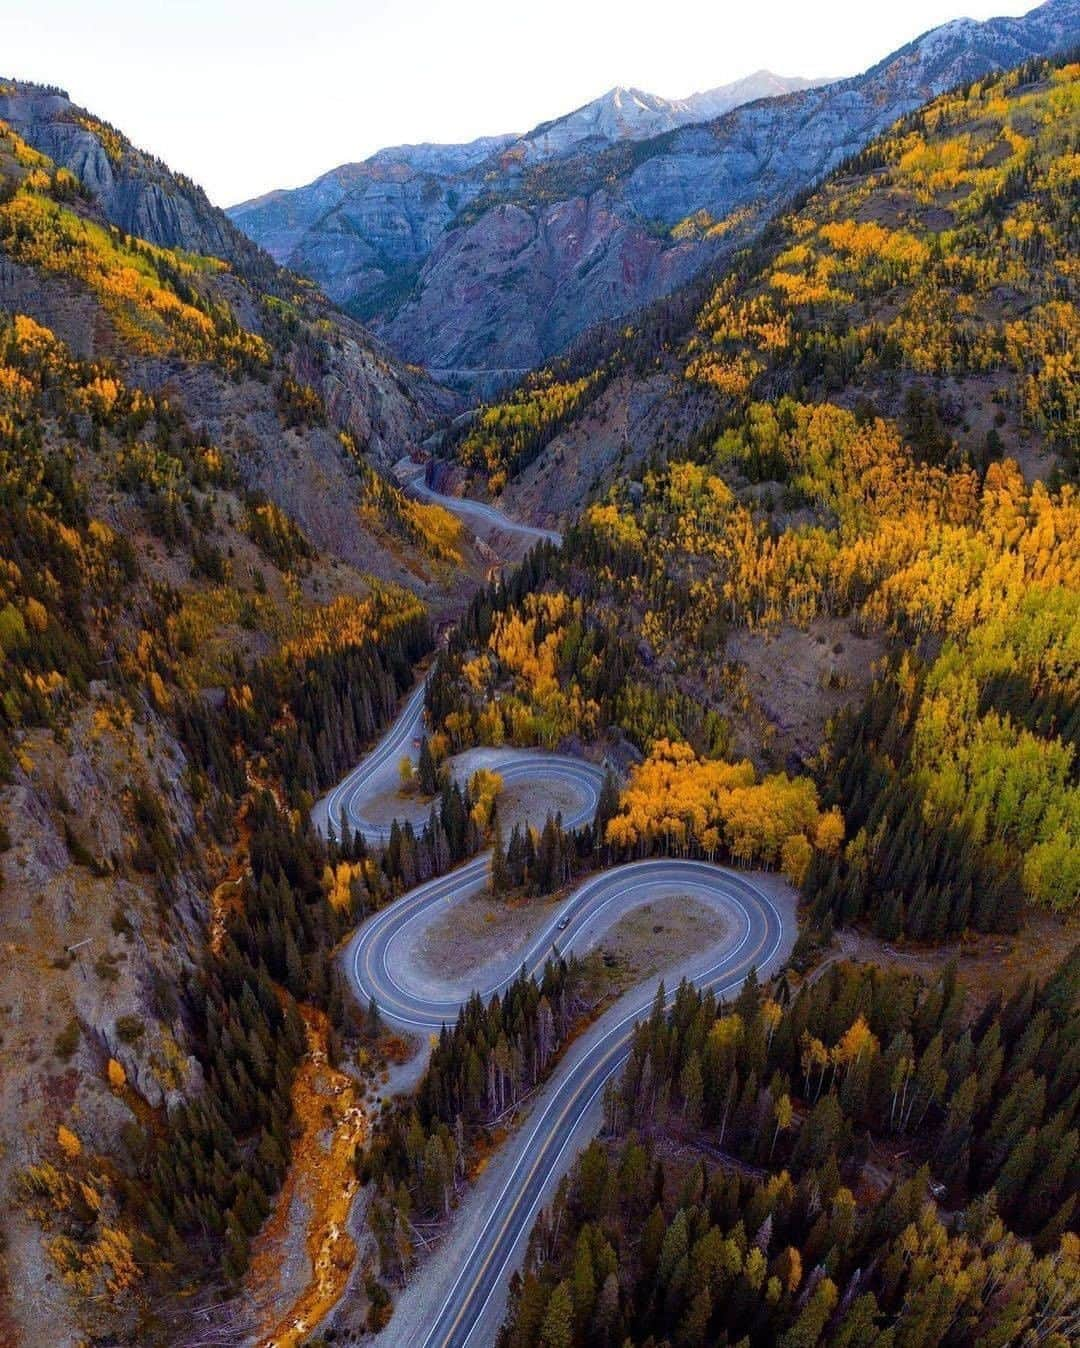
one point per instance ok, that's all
(480, 261)
(367, 390)
(504, 294)
(137, 192)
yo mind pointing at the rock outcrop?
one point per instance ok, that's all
(384, 404)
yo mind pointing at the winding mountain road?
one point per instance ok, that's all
(376, 778)
(459, 1298)
(476, 512)
(374, 773)
(377, 775)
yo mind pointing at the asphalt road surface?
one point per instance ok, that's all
(377, 776)
(458, 1297)
(477, 513)
(378, 771)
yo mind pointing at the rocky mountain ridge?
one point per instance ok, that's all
(620, 114)
(481, 268)
(628, 114)
(364, 230)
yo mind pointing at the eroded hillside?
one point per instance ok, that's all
(207, 589)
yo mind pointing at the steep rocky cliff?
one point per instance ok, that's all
(135, 191)
(384, 404)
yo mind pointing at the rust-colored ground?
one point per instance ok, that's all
(227, 898)
(323, 1180)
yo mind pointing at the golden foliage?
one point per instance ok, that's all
(702, 225)
(908, 260)
(349, 621)
(425, 523)
(504, 432)
(68, 1142)
(484, 787)
(675, 799)
(92, 1253)
(338, 883)
(152, 294)
(527, 646)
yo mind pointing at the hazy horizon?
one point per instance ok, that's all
(246, 97)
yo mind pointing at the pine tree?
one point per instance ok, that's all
(426, 770)
(500, 874)
(691, 1088)
(557, 1330)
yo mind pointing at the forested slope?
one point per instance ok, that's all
(884, 475)
(863, 1163)
(937, 263)
(207, 593)
(384, 404)
(852, 506)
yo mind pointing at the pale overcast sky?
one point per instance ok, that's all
(246, 95)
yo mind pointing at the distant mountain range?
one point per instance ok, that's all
(280, 219)
(631, 114)
(480, 261)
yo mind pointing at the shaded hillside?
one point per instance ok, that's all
(385, 406)
(481, 269)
